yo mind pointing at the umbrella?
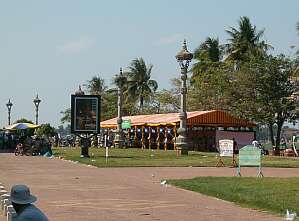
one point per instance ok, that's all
(21, 126)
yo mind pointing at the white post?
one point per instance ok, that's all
(107, 153)
(6, 203)
(2, 198)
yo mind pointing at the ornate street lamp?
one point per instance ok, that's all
(79, 91)
(184, 58)
(120, 81)
(9, 105)
(36, 102)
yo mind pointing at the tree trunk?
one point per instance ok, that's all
(277, 144)
(141, 103)
(270, 125)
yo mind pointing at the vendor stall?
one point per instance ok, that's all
(204, 130)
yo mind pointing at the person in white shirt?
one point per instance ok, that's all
(255, 143)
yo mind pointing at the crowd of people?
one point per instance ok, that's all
(34, 146)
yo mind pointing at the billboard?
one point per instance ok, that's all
(85, 114)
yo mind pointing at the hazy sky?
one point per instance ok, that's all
(49, 47)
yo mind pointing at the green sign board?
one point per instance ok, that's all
(126, 124)
(250, 156)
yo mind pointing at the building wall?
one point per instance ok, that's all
(241, 137)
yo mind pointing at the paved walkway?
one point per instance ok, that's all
(69, 191)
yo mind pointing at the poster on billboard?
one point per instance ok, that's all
(85, 114)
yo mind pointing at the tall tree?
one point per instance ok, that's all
(208, 53)
(245, 40)
(45, 130)
(165, 101)
(210, 49)
(128, 106)
(263, 90)
(297, 27)
(96, 86)
(209, 89)
(140, 84)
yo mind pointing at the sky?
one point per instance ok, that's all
(50, 47)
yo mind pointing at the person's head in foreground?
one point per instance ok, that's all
(22, 200)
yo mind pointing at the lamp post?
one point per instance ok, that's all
(9, 105)
(184, 58)
(119, 80)
(79, 91)
(36, 102)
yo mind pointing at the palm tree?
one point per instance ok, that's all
(140, 84)
(297, 27)
(96, 86)
(210, 51)
(245, 40)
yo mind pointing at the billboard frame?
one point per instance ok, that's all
(74, 99)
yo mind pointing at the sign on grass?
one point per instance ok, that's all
(250, 156)
(226, 148)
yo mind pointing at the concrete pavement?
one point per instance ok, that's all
(68, 191)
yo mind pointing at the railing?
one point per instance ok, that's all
(6, 209)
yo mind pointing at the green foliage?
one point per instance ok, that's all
(96, 86)
(109, 105)
(265, 91)
(207, 54)
(210, 49)
(248, 83)
(168, 101)
(140, 84)
(164, 101)
(245, 41)
(45, 130)
(121, 80)
(271, 194)
(66, 116)
(210, 88)
(132, 157)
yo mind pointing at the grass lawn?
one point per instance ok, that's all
(138, 157)
(269, 194)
